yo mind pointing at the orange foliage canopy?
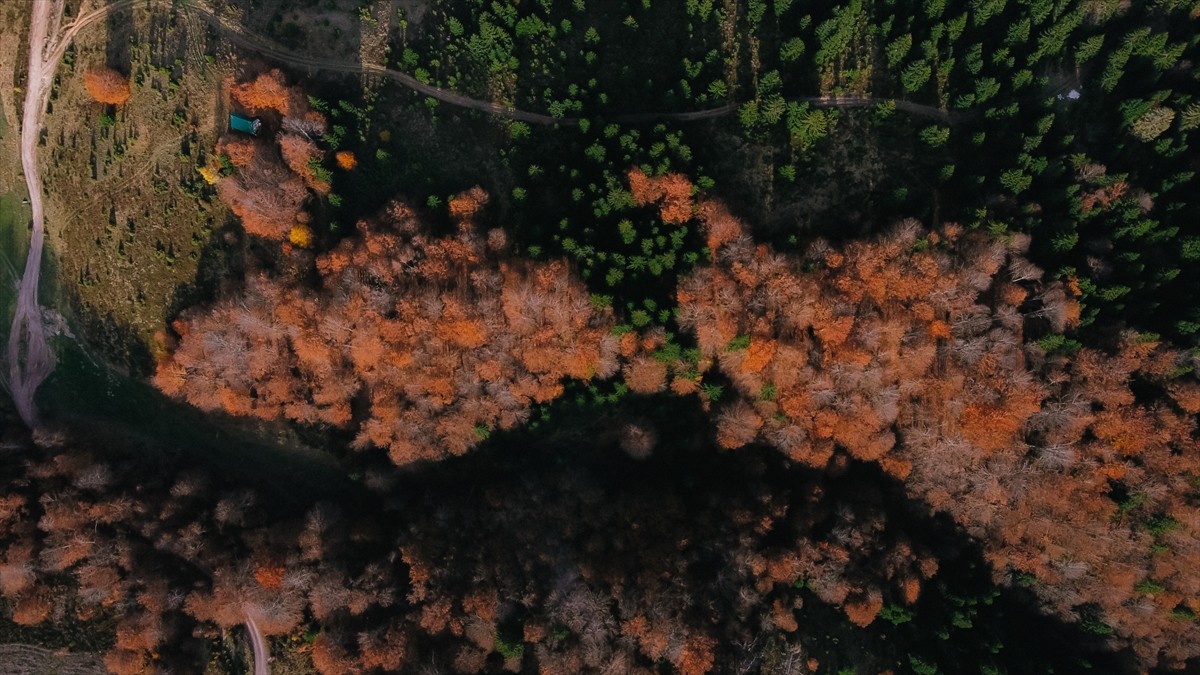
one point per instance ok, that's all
(672, 192)
(267, 92)
(443, 340)
(853, 334)
(269, 576)
(273, 176)
(1103, 196)
(909, 351)
(106, 85)
(263, 193)
(300, 153)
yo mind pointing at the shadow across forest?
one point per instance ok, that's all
(576, 538)
(564, 504)
(131, 420)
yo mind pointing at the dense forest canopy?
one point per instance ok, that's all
(908, 350)
(748, 336)
(443, 340)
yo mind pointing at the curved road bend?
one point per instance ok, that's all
(30, 359)
(29, 369)
(259, 642)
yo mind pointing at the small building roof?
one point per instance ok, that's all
(244, 124)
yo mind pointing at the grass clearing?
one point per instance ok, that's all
(14, 244)
(128, 213)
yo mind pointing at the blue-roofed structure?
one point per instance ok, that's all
(244, 124)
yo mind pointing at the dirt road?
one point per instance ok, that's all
(259, 642)
(22, 659)
(237, 33)
(30, 359)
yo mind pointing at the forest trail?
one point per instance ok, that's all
(264, 46)
(23, 659)
(29, 355)
(259, 642)
(30, 359)
(919, 109)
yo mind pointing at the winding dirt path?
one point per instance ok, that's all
(237, 33)
(30, 359)
(258, 642)
(23, 659)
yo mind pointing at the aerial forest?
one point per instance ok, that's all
(750, 337)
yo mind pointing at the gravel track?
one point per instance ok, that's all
(30, 359)
(22, 659)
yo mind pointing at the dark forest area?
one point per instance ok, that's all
(556, 337)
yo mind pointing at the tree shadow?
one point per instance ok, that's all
(562, 508)
(118, 344)
(119, 22)
(220, 269)
(129, 418)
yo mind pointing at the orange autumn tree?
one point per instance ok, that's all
(301, 154)
(672, 192)
(909, 351)
(238, 592)
(852, 334)
(443, 339)
(106, 85)
(273, 175)
(267, 92)
(263, 192)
